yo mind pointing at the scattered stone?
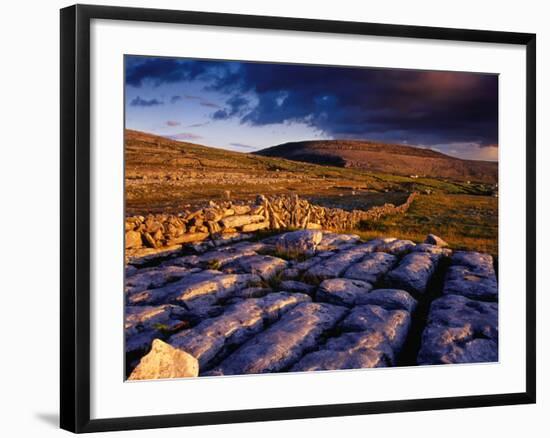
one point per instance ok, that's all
(165, 362)
(460, 330)
(432, 239)
(342, 291)
(133, 239)
(372, 267)
(301, 241)
(433, 249)
(255, 227)
(240, 220)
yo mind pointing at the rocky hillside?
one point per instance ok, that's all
(168, 176)
(308, 300)
(385, 158)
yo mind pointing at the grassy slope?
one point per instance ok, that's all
(165, 175)
(464, 221)
(385, 158)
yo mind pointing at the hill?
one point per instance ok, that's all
(164, 175)
(385, 158)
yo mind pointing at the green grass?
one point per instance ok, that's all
(464, 221)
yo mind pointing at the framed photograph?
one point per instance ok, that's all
(269, 218)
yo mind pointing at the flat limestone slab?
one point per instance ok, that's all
(349, 351)
(142, 324)
(342, 291)
(461, 280)
(460, 330)
(282, 344)
(204, 288)
(393, 324)
(265, 266)
(208, 340)
(372, 267)
(150, 278)
(413, 272)
(389, 299)
(334, 266)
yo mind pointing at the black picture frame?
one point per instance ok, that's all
(75, 217)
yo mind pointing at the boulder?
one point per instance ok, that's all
(282, 344)
(342, 291)
(432, 239)
(460, 330)
(433, 249)
(413, 272)
(372, 267)
(133, 239)
(215, 337)
(165, 362)
(301, 241)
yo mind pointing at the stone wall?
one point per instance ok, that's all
(273, 213)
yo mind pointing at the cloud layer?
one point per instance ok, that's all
(417, 107)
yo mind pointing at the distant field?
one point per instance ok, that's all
(169, 176)
(464, 221)
(165, 176)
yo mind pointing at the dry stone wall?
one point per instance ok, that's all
(273, 213)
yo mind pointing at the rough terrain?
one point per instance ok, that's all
(307, 300)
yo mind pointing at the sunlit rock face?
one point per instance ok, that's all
(307, 300)
(165, 362)
(460, 330)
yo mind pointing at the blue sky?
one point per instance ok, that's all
(246, 106)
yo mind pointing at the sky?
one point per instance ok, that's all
(247, 106)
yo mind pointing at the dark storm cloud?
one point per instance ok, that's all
(419, 107)
(138, 101)
(236, 105)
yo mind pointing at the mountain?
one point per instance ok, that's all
(385, 158)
